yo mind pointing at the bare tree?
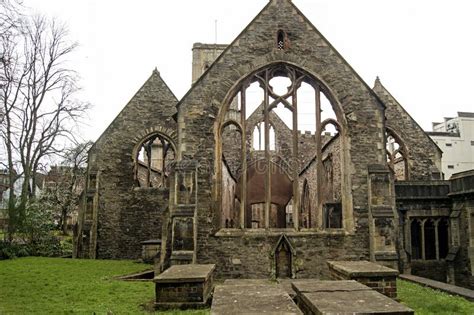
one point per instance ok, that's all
(39, 111)
(9, 15)
(67, 182)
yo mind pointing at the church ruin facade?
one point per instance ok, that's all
(278, 159)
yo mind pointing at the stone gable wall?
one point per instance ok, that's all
(424, 156)
(199, 109)
(128, 215)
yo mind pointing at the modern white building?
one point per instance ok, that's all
(455, 137)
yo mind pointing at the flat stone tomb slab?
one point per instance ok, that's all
(344, 297)
(252, 298)
(362, 269)
(183, 286)
(375, 276)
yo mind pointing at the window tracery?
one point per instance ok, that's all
(271, 149)
(152, 159)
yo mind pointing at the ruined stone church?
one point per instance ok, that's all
(278, 159)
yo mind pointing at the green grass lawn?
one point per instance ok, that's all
(427, 301)
(55, 285)
(58, 286)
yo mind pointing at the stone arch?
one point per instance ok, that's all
(393, 155)
(272, 137)
(151, 135)
(318, 85)
(230, 122)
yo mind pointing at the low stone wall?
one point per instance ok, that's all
(181, 292)
(376, 277)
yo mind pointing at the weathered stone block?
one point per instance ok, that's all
(377, 277)
(184, 286)
(343, 297)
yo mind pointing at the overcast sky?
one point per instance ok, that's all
(422, 50)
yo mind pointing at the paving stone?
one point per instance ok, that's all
(344, 297)
(252, 298)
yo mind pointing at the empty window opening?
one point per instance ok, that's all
(258, 215)
(396, 156)
(306, 108)
(449, 144)
(305, 216)
(280, 85)
(258, 137)
(276, 103)
(327, 111)
(152, 162)
(254, 99)
(450, 166)
(332, 214)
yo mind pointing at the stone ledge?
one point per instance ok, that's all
(278, 232)
(361, 269)
(185, 274)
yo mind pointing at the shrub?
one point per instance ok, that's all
(66, 247)
(12, 250)
(47, 246)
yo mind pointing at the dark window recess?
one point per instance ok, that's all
(436, 238)
(443, 238)
(450, 166)
(430, 241)
(281, 38)
(332, 215)
(415, 240)
(472, 142)
(449, 144)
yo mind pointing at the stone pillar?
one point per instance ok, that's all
(436, 226)
(183, 202)
(383, 218)
(422, 225)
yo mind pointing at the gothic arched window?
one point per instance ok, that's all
(152, 159)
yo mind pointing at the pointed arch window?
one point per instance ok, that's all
(258, 137)
(396, 155)
(152, 158)
(287, 119)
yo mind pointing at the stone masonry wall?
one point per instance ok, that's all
(387, 285)
(249, 256)
(363, 123)
(463, 270)
(424, 156)
(128, 215)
